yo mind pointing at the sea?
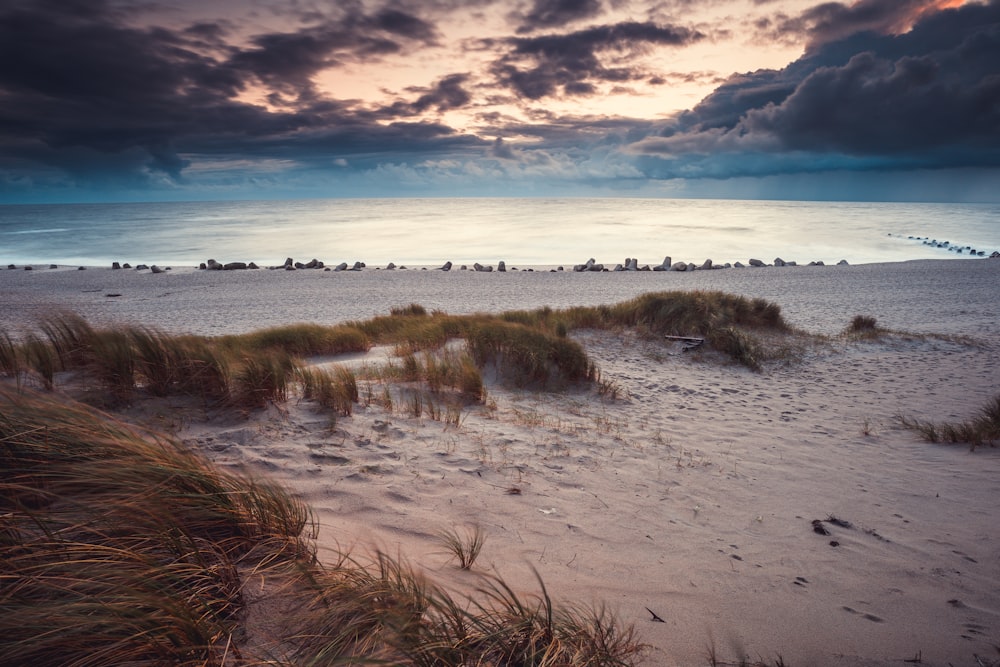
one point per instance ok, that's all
(521, 232)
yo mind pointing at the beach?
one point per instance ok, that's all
(689, 491)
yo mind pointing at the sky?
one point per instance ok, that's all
(154, 100)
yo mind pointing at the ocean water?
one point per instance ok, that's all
(522, 232)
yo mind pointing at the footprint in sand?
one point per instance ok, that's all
(871, 617)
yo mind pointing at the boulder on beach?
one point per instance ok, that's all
(502, 266)
(214, 266)
(665, 266)
(995, 254)
(778, 261)
(341, 267)
(586, 266)
(679, 266)
(445, 267)
(739, 265)
(126, 265)
(115, 265)
(357, 266)
(392, 267)
(706, 265)
(756, 262)
(485, 269)
(11, 266)
(155, 269)
(252, 265)
(842, 262)
(141, 267)
(28, 268)
(234, 266)
(81, 268)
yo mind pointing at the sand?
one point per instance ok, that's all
(692, 494)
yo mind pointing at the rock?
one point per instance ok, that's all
(141, 267)
(586, 266)
(464, 267)
(778, 261)
(202, 267)
(791, 263)
(126, 265)
(235, 266)
(288, 262)
(995, 254)
(632, 264)
(739, 265)
(28, 268)
(313, 264)
(445, 267)
(665, 266)
(679, 266)
(290, 267)
(214, 266)
(485, 269)
(691, 267)
(706, 265)
(155, 269)
(357, 266)
(252, 265)
(11, 266)
(53, 266)
(392, 267)
(297, 265)
(842, 262)
(502, 266)
(756, 262)
(81, 268)
(341, 267)
(115, 265)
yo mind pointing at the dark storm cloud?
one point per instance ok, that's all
(570, 64)
(557, 13)
(80, 84)
(929, 98)
(832, 21)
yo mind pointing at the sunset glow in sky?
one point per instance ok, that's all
(142, 100)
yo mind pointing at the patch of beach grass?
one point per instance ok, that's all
(982, 429)
(120, 547)
(301, 340)
(465, 548)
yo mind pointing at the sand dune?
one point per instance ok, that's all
(692, 494)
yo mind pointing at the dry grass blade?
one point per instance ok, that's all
(464, 547)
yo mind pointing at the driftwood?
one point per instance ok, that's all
(690, 342)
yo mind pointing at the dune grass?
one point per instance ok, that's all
(982, 429)
(118, 546)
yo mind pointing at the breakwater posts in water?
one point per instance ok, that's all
(949, 246)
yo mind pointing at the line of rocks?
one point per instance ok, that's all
(632, 264)
(591, 265)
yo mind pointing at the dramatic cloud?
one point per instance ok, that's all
(928, 98)
(832, 21)
(571, 64)
(546, 14)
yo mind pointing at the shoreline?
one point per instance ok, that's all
(187, 300)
